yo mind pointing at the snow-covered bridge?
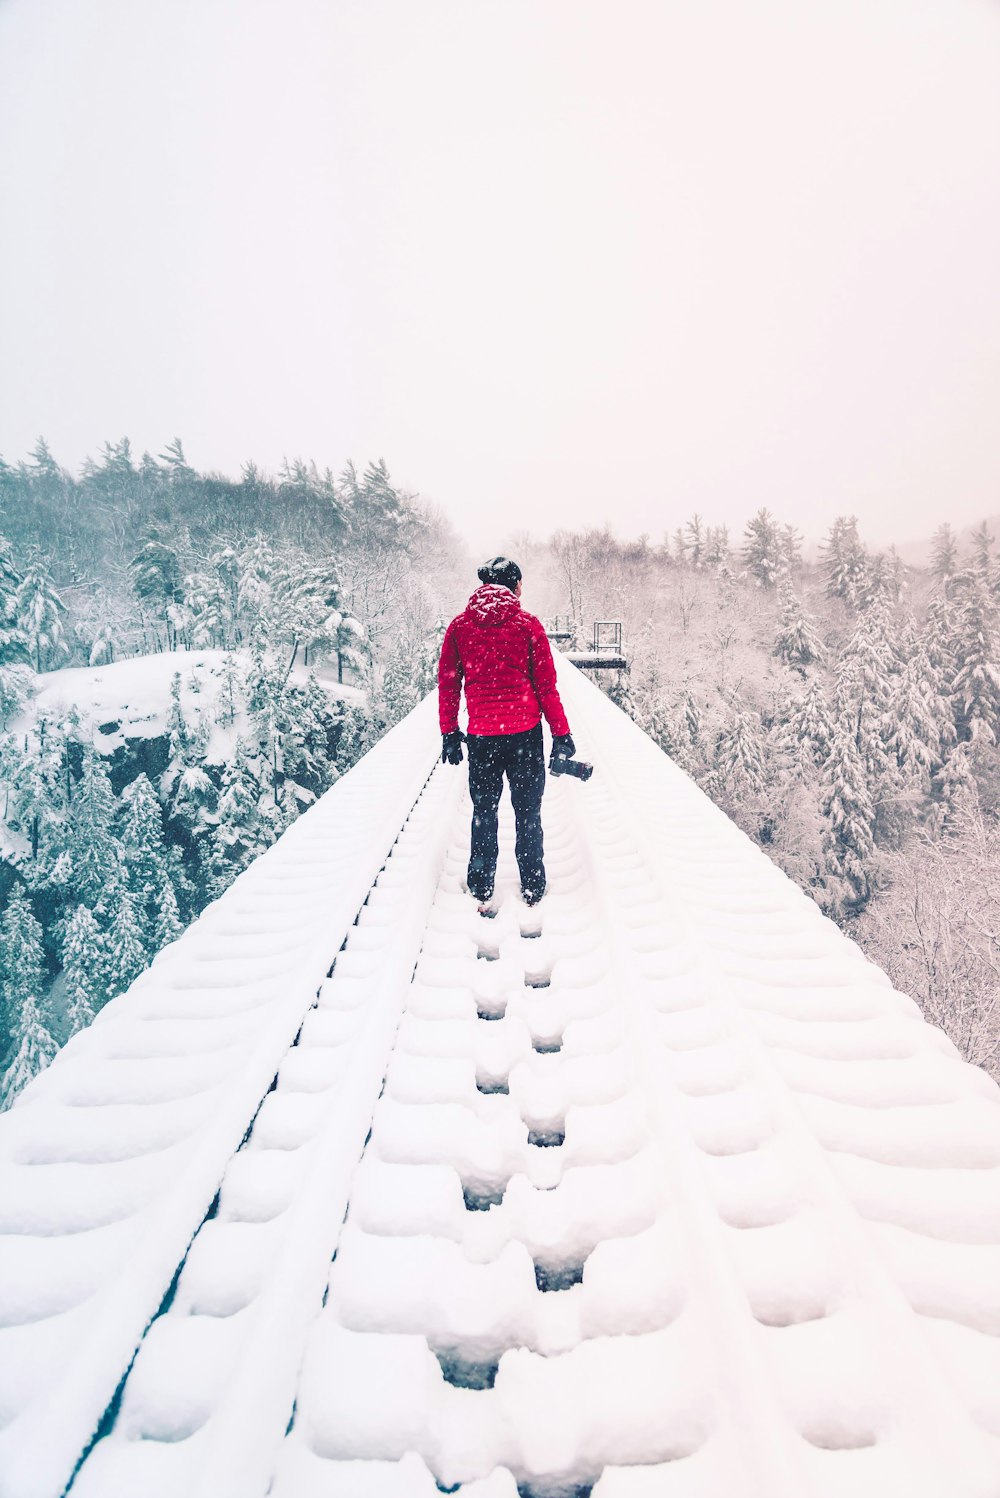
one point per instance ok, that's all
(657, 1189)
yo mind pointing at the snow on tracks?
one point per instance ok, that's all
(111, 1159)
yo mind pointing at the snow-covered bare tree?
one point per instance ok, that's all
(936, 931)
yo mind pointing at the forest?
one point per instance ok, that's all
(841, 705)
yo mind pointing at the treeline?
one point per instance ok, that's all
(91, 522)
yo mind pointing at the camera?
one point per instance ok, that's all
(559, 765)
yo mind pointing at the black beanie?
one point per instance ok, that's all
(500, 570)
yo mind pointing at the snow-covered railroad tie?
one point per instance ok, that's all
(666, 1192)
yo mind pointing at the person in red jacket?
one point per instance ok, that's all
(504, 658)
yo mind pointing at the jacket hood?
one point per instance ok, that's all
(492, 604)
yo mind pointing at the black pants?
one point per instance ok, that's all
(521, 757)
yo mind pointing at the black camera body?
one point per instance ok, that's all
(559, 765)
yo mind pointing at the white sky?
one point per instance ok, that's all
(559, 261)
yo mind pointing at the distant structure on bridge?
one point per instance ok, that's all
(605, 653)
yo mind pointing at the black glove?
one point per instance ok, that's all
(451, 747)
(563, 746)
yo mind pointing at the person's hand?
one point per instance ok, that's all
(451, 747)
(563, 746)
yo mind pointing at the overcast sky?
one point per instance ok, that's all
(559, 261)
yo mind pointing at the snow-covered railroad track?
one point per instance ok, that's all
(666, 1192)
(111, 1159)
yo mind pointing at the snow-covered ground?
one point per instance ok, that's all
(656, 1189)
(130, 699)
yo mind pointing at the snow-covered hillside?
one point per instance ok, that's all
(657, 1189)
(130, 699)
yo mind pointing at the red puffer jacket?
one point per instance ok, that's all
(506, 661)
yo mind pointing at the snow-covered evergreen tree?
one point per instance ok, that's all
(919, 728)
(349, 646)
(791, 548)
(141, 836)
(211, 599)
(717, 549)
(102, 648)
(39, 616)
(955, 788)
(189, 898)
(16, 683)
(399, 692)
(23, 984)
(177, 728)
(193, 798)
(168, 925)
(763, 549)
(178, 469)
(740, 755)
(199, 620)
(941, 639)
(238, 836)
(37, 799)
(982, 562)
(303, 610)
(694, 541)
(944, 554)
(156, 580)
(225, 565)
(882, 579)
(276, 816)
(231, 693)
(255, 588)
(189, 789)
(798, 643)
(126, 953)
(307, 740)
(268, 710)
(848, 840)
(646, 703)
(865, 684)
(13, 641)
(804, 730)
(84, 968)
(94, 851)
(359, 731)
(844, 560)
(977, 678)
(679, 734)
